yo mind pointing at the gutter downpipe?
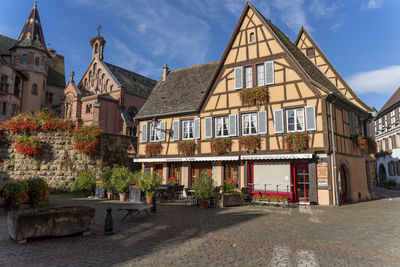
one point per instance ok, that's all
(334, 152)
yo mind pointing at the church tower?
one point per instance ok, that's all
(30, 54)
(97, 43)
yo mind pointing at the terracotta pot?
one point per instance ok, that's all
(203, 204)
(85, 194)
(122, 196)
(110, 195)
(149, 200)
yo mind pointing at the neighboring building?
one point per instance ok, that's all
(32, 76)
(387, 136)
(306, 94)
(106, 95)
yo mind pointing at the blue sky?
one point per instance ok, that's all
(360, 37)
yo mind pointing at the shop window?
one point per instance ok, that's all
(295, 120)
(231, 172)
(249, 124)
(222, 126)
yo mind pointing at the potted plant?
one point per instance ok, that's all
(149, 184)
(15, 193)
(105, 182)
(231, 196)
(204, 188)
(38, 191)
(85, 182)
(250, 143)
(297, 142)
(122, 178)
(221, 145)
(173, 180)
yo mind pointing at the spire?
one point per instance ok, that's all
(32, 34)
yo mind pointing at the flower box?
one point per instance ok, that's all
(250, 143)
(153, 149)
(187, 148)
(296, 142)
(221, 145)
(230, 200)
(254, 96)
(360, 141)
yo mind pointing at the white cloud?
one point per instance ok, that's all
(371, 4)
(336, 26)
(321, 9)
(385, 80)
(292, 13)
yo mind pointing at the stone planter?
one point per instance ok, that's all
(34, 223)
(135, 195)
(230, 200)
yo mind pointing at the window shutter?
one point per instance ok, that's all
(197, 128)
(278, 121)
(262, 122)
(238, 77)
(232, 125)
(310, 118)
(144, 133)
(352, 123)
(208, 127)
(269, 72)
(175, 129)
(162, 131)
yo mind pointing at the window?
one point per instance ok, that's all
(295, 120)
(386, 121)
(175, 171)
(4, 108)
(391, 168)
(260, 75)
(310, 52)
(380, 124)
(37, 61)
(222, 127)
(155, 134)
(398, 168)
(392, 117)
(49, 97)
(231, 172)
(352, 123)
(88, 108)
(249, 77)
(34, 89)
(252, 37)
(249, 124)
(188, 130)
(24, 59)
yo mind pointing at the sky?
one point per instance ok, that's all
(360, 37)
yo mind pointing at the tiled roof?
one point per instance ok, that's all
(56, 71)
(132, 82)
(393, 100)
(5, 45)
(182, 91)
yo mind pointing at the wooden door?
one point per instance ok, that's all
(158, 169)
(197, 168)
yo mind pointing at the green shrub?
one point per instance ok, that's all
(38, 191)
(15, 192)
(85, 181)
(149, 184)
(391, 183)
(121, 178)
(105, 180)
(204, 186)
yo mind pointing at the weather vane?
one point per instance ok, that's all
(98, 30)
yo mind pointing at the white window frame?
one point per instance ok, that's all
(248, 77)
(155, 134)
(186, 125)
(260, 74)
(392, 117)
(380, 124)
(250, 115)
(295, 110)
(218, 120)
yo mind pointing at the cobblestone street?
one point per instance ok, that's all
(363, 234)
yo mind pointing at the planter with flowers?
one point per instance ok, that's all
(86, 139)
(250, 143)
(296, 142)
(254, 96)
(28, 145)
(153, 149)
(360, 141)
(187, 148)
(173, 180)
(230, 195)
(22, 123)
(221, 145)
(274, 200)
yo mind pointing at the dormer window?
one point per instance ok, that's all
(252, 37)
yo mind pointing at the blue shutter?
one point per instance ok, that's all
(161, 131)
(262, 122)
(278, 121)
(197, 128)
(175, 129)
(144, 133)
(310, 118)
(232, 125)
(238, 77)
(208, 127)
(352, 123)
(269, 72)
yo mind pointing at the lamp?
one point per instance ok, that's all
(154, 123)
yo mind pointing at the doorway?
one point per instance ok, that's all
(382, 176)
(301, 183)
(197, 168)
(343, 184)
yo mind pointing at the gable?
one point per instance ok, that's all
(289, 82)
(308, 46)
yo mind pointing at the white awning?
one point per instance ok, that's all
(277, 156)
(186, 159)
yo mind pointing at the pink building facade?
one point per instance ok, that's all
(106, 95)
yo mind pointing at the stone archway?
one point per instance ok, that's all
(344, 185)
(382, 175)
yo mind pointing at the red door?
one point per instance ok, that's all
(300, 183)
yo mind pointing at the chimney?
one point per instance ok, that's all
(164, 72)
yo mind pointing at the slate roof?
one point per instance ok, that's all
(132, 82)
(5, 45)
(393, 100)
(181, 92)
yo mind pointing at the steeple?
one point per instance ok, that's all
(97, 43)
(32, 35)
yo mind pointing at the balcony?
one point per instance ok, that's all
(4, 88)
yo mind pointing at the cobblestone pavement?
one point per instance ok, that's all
(363, 234)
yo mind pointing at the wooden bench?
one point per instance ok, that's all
(134, 210)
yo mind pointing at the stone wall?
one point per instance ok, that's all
(59, 163)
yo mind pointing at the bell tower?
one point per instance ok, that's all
(97, 43)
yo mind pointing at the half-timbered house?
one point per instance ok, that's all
(273, 114)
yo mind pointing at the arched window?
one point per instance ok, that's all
(85, 83)
(98, 76)
(106, 86)
(24, 59)
(90, 79)
(34, 89)
(111, 87)
(103, 77)
(96, 48)
(4, 108)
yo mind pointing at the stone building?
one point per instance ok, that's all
(387, 136)
(32, 76)
(107, 95)
(204, 105)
